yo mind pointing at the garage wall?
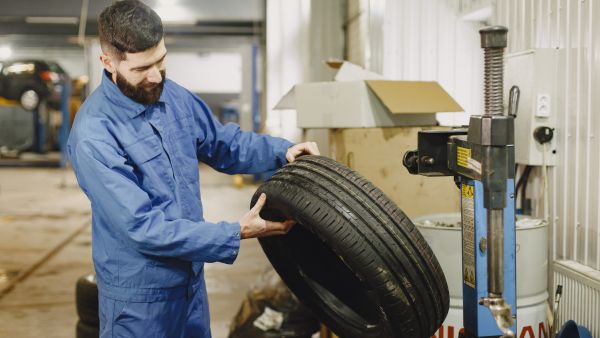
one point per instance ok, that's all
(572, 27)
(357, 21)
(93, 65)
(301, 34)
(209, 72)
(428, 40)
(287, 45)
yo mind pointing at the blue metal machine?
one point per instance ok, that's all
(481, 159)
(477, 318)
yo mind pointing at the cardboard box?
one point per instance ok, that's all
(362, 99)
(376, 153)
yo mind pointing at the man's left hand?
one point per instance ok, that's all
(306, 148)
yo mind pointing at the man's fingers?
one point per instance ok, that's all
(289, 223)
(284, 226)
(260, 203)
(313, 148)
(278, 226)
(273, 233)
(310, 148)
(289, 156)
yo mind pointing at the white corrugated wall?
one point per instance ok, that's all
(426, 40)
(572, 26)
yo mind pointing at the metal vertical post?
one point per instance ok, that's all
(492, 132)
(65, 108)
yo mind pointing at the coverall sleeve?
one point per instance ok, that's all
(111, 185)
(228, 149)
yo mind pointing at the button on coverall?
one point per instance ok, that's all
(138, 165)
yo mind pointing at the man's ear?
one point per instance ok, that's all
(108, 63)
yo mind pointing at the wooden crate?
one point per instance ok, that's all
(377, 153)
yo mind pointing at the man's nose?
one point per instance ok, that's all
(154, 75)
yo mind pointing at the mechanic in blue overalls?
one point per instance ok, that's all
(135, 147)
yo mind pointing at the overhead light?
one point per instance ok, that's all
(55, 20)
(5, 52)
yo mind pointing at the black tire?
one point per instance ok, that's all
(84, 330)
(86, 299)
(354, 258)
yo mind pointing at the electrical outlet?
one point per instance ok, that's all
(543, 105)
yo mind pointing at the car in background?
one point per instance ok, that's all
(31, 81)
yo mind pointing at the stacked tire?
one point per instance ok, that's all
(86, 299)
(353, 257)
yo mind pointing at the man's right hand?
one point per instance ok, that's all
(252, 225)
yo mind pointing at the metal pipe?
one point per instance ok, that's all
(82, 21)
(495, 257)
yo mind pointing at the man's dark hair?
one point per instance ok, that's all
(129, 26)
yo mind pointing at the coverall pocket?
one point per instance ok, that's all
(124, 321)
(110, 310)
(145, 149)
(185, 145)
(118, 310)
(152, 164)
(166, 273)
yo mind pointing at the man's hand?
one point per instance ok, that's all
(309, 148)
(252, 225)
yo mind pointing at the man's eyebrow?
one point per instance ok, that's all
(151, 64)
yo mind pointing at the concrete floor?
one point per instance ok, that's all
(45, 247)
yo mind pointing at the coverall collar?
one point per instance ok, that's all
(114, 94)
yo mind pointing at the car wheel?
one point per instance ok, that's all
(353, 258)
(86, 298)
(30, 99)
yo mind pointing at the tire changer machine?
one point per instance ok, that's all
(482, 160)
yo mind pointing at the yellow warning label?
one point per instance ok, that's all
(467, 191)
(468, 237)
(462, 156)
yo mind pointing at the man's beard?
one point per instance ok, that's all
(145, 92)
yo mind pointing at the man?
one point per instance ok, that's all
(135, 147)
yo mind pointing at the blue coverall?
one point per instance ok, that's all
(138, 165)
